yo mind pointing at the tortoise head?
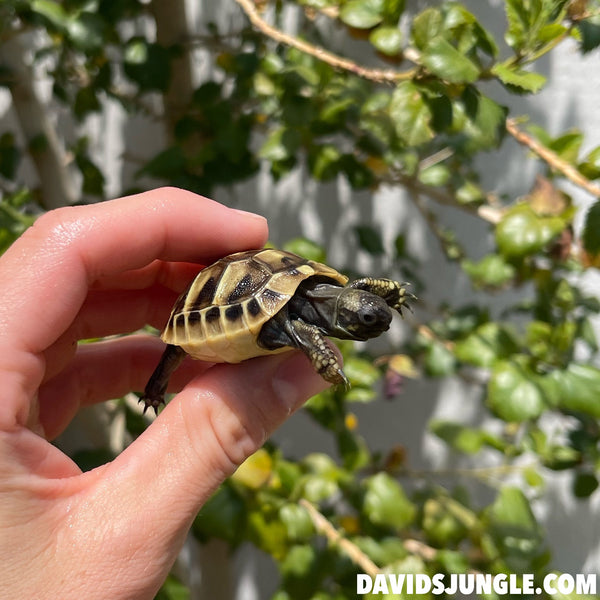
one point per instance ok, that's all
(360, 315)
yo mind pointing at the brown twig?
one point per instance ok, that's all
(550, 157)
(353, 552)
(378, 75)
(420, 549)
(56, 183)
(486, 212)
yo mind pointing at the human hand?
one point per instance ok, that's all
(94, 271)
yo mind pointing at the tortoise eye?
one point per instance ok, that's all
(367, 317)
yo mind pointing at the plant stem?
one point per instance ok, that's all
(553, 160)
(338, 62)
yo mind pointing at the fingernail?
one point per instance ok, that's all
(295, 381)
(247, 214)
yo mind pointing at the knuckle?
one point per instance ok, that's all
(60, 227)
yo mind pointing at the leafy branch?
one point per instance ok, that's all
(335, 538)
(551, 158)
(352, 551)
(338, 62)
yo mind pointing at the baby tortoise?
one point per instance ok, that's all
(264, 301)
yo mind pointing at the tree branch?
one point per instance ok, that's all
(56, 185)
(172, 30)
(550, 157)
(488, 213)
(353, 552)
(335, 538)
(338, 62)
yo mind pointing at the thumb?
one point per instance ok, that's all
(222, 416)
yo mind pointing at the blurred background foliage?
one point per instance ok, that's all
(415, 112)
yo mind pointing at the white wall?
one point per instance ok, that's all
(327, 214)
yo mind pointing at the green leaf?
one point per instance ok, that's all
(491, 271)
(147, 64)
(518, 23)
(440, 525)
(561, 458)
(578, 388)
(13, 221)
(522, 232)
(513, 393)
(359, 175)
(369, 239)
(88, 31)
(281, 144)
(53, 11)
(266, 531)
(550, 342)
(470, 193)
(92, 458)
(513, 76)
(590, 33)
(321, 479)
(353, 449)
(306, 248)
(591, 230)
(361, 14)
(514, 530)
(467, 30)
(301, 571)
(426, 26)
(381, 551)
(385, 503)
(387, 40)
(452, 561)
(436, 175)
(460, 437)
(392, 10)
(532, 477)
(297, 521)
(411, 115)
(484, 119)
(173, 589)
(445, 61)
(10, 155)
(439, 360)
(255, 471)
(223, 516)
(585, 485)
(336, 110)
(488, 343)
(567, 145)
(590, 167)
(361, 372)
(86, 101)
(360, 394)
(93, 179)
(324, 161)
(166, 164)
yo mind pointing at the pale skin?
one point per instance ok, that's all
(93, 271)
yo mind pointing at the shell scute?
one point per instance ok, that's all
(220, 315)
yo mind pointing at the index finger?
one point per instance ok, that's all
(45, 275)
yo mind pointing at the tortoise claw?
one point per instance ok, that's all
(344, 380)
(153, 403)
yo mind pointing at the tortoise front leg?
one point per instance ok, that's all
(311, 341)
(154, 394)
(393, 292)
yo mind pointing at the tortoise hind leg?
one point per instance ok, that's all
(311, 341)
(393, 292)
(154, 393)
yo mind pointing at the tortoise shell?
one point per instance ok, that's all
(218, 318)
